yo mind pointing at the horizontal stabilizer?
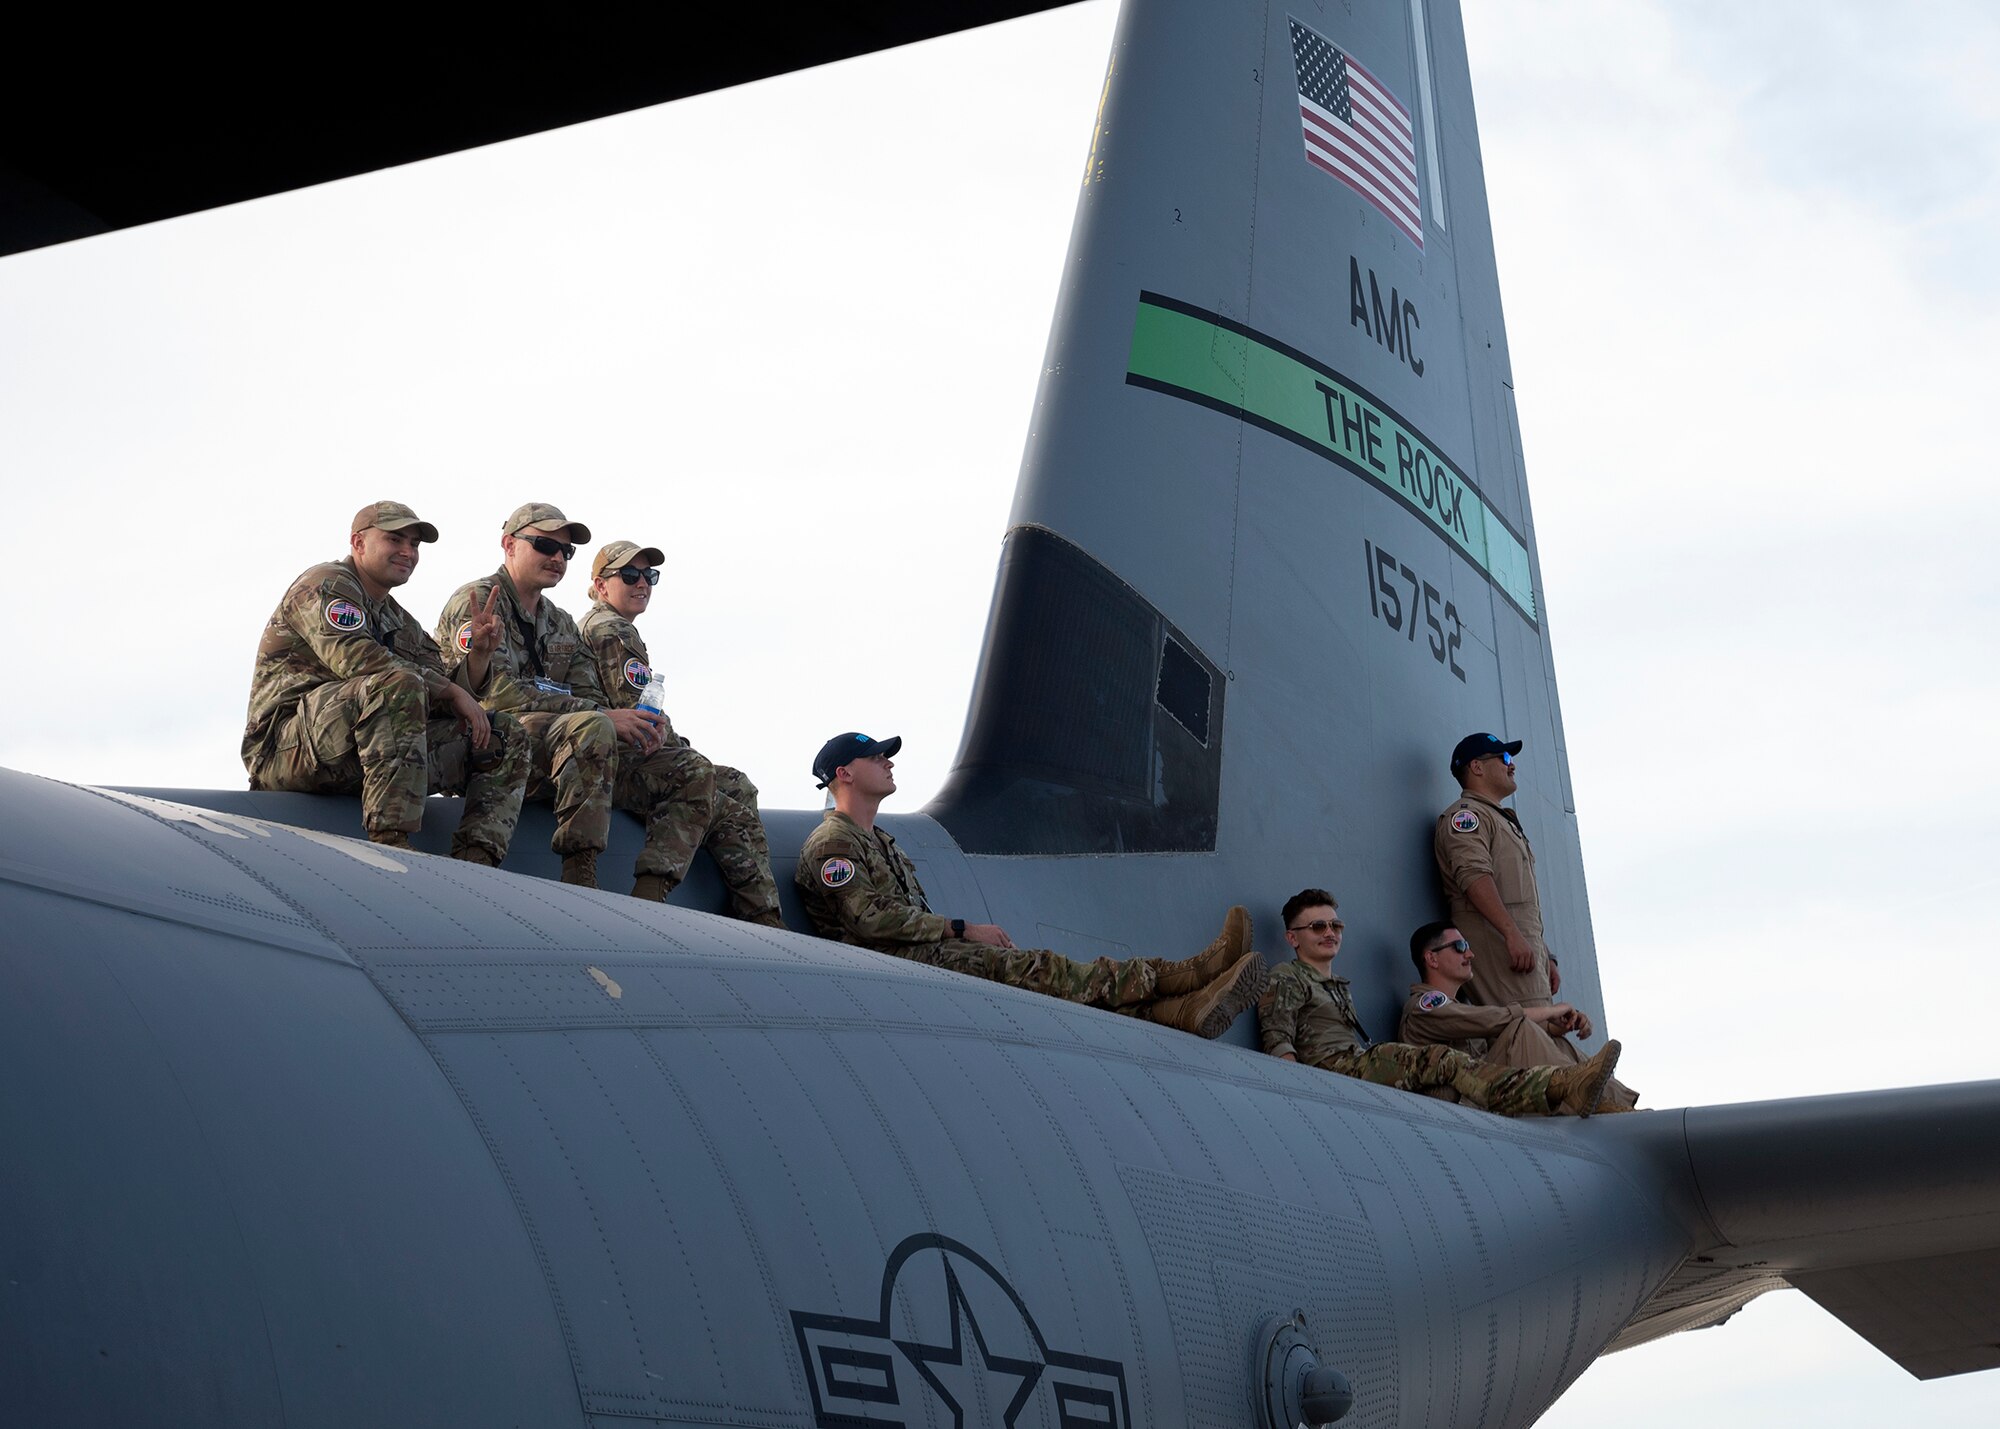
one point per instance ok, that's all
(1883, 1207)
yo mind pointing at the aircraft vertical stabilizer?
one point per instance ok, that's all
(1271, 554)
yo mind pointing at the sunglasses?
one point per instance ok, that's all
(546, 546)
(1318, 925)
(1456, 945)
(632, 575)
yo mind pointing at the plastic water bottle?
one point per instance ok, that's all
(654, 696)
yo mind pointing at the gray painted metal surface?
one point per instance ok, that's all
(303, 1131)
(1255, 544)
(326, 1134)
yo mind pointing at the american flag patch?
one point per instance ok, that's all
(1357, 130)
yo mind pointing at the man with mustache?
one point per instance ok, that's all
(587, 754)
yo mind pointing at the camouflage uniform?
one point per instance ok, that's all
(349, 694)
(1497, 1036)
(860, 888)
(623, 669)
(1311, 1015)
(577, 757)
(1477, 838)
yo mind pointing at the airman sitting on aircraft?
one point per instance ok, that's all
(1307, 1015)
(350, 695)
(859, 887)
(1511, 1036)
(623, 574)
(576, 736)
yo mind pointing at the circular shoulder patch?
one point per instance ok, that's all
(1465, 821)
(1431, 1001)
(636, 673)
(835, 872)
(463, 640)
(345, 615)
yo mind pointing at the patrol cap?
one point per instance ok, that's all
(391, 516)
(625, 553)
(1479, 746)
(846, 748)
(540, 516)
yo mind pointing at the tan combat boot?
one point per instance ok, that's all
(1209, 1011)
(472, 853)
(580, 868)
(1576, 1091)
(1195, 973)
(651, 887)
(391, 838)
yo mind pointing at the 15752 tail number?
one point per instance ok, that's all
(1402, 600)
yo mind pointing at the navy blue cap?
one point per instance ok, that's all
(1479, 746)
(846, 748)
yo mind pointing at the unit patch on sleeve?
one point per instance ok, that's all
(464, 638)
(636, 673)
(1431, 1001)
(835, 872)
(345, 615)
(1465, 821)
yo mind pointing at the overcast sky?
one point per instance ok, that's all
(1746, 257)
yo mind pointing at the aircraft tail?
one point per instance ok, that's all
(1271, 554)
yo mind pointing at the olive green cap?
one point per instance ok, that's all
(615, 554)
(392, 516)
(540, 516)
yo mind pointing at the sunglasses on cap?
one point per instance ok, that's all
(632, 575)
(546, 545)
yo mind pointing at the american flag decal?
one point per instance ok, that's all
(1356, 130)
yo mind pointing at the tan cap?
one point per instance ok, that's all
(540, 516)
(625, 553)
(392, 516)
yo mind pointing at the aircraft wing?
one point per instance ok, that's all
(1883, 1207)
(112, 126)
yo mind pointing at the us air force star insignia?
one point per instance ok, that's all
(636, 673)
(1465, 821)
(464, 639)
(978, 1355)
(345, 615)
(1431, 1001)
(835, 872)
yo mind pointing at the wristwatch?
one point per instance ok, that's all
(958, 927)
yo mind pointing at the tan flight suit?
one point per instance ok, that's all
(1497, 1036)
(1476, 837)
